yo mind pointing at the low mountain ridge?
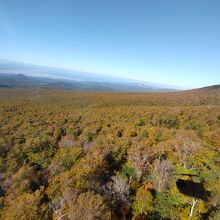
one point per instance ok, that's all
(214, 87)
(74, 79)
(23, 81)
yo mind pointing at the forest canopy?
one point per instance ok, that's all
(91, 155)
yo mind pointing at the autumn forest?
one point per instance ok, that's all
(107, 155)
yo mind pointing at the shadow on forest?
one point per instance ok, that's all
(209, 213)
(197, 191)
(193, 189)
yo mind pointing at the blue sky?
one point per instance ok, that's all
(174, 42)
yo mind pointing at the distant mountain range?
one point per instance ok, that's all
(20, 75)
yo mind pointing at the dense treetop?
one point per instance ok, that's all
(91, 155)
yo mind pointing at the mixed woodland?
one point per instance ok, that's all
(101, 155)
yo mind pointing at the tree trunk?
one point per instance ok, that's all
(192, 207)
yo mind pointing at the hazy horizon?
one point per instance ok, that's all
(42, 73)
(158, 83)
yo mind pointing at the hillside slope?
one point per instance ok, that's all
(203, 96)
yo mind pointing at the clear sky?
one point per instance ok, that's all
(175, 42)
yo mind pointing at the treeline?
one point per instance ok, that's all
(88, 155)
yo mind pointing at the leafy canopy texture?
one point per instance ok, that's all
(69, 155)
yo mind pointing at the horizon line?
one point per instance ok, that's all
(180, 87)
